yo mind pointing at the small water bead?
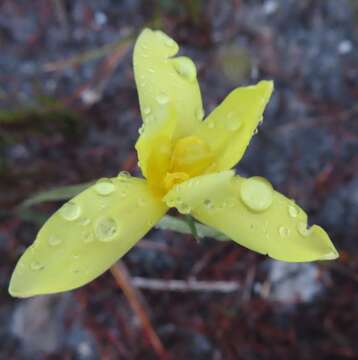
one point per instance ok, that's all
(232, 123)
(151, 70)
(147, 110)
(87, 237)
(185, 68)
(141, 202)
(208, 204)
(211, 124)
(106, 229)
(149, 118)
(36, 265)
(123, 193)
(284, 231)
(124, 175)
(256, 193)
(162, 99)
(302, 229)
(104, 187)
(199, 113)
(293, 211)
(70, 211)
(85, 221)
(183, 208)
(54, 240)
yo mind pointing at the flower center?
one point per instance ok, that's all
(190, 157)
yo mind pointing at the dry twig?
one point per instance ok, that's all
(135, 299)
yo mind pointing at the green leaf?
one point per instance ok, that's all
(181, 226)
(55, 194)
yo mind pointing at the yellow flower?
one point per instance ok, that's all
(186, 163)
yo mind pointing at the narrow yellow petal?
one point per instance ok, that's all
(163, 79)
(86, 236)
(253, 214)
(230, 127)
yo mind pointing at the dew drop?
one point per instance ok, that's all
(147, 110)
(149, 118)
(199, 113)
(284, 231)
(211, 125)
(141, 130)
(54, 240)
(35, 265)
(87, 237)
(106, 229)
(171, 202)
(233, 123)
(208, 204)
(185, 68)
(183, 208)
(124, 175)
(70, 211)
(151, 70)
(293, 211)
(104, 187)
(85, 221)
(162, 99)
(256, 193)
(141, 202)
(302, 229)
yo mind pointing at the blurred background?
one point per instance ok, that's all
(69, 114)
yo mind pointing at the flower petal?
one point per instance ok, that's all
(230, 127)
(154, 146)
(252, 214)
(86, 236)
(161, 79)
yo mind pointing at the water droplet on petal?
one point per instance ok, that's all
(149, 118)
(199, 113)
(233, 123)
(141, 130)
(185, 68)
(54, 240)
(85, 221)
(106, 229)
(302, 229)
(208, 204)
(211, 124)
(284, 231)
(36, 265)
(162, 99)
(293, 211)
(151, 70)
(70, 211)
(141, 202)
(124, 175)
(147, 110)
(87, 237)
(256, 193)
(104, 187)
(183, 208)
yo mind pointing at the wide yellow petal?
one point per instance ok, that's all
(164, 79)
(86, 236)
(230, 127)
(252, 214)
